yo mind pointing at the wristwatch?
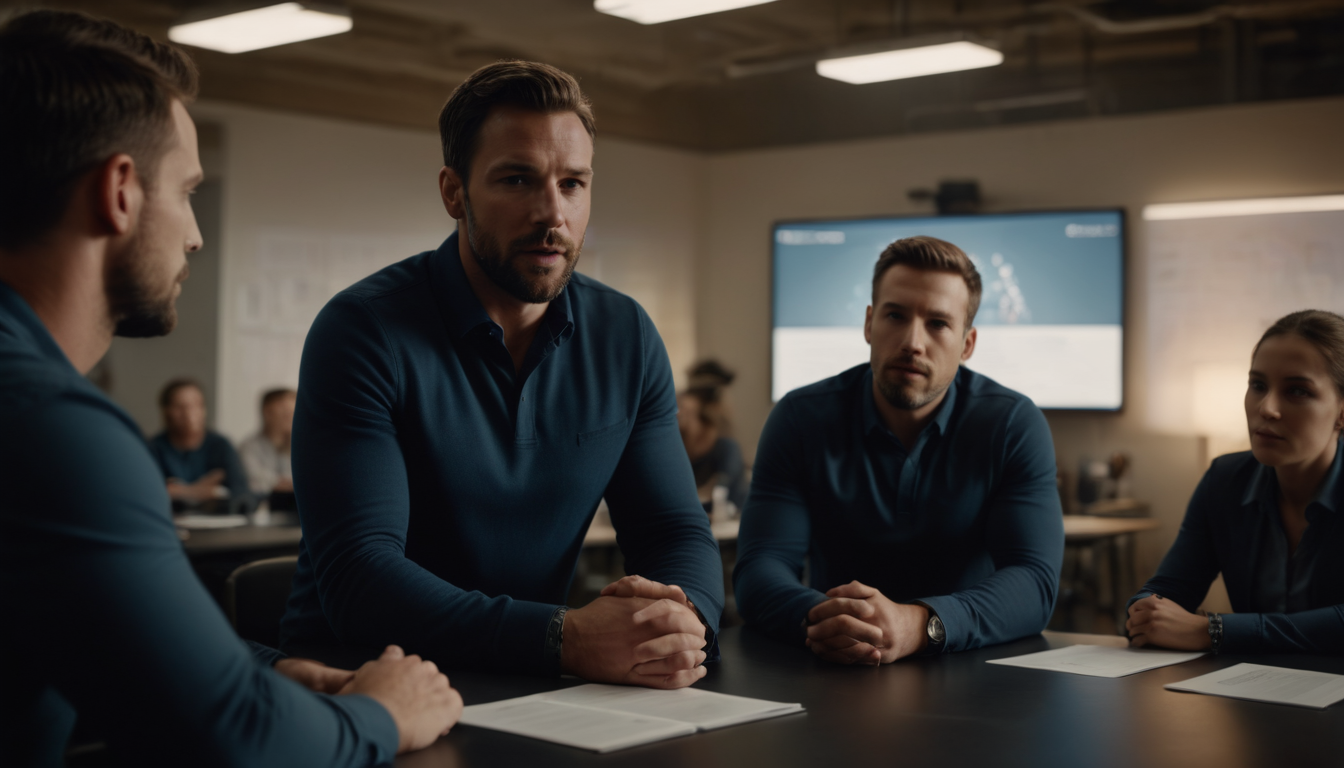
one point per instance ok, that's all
(936, 631)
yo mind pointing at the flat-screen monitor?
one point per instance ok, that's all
(1050, 323)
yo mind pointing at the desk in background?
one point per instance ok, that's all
(1108, 538)
(946, 711)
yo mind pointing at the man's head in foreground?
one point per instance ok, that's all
(100, 156)
(925, 295)
(518, 155)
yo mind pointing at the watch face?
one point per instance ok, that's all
(936, 632)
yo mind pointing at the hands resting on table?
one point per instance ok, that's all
(857, 624)
(638, 632)
(1156, 621)
(413, 691)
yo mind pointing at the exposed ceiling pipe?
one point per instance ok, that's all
(1188, 20)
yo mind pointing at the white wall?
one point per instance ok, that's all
(1289, 148)
(310, 205)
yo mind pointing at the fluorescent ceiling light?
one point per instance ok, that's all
(1220, 208)
(260, 28)
(909, 62)
(658, 11)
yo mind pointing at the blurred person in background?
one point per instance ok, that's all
(265, 455)
(702, 418)
(100, 602)
(1267, 519)
(199, 465)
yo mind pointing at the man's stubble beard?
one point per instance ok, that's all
(495, 262)
(897, 396)
(135, 309)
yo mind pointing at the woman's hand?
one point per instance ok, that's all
(1155, 621)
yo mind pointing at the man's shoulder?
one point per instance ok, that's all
(597, 300)
(389, 281)
(980, 398)
(824, 400)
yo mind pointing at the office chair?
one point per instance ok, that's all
(255, 595)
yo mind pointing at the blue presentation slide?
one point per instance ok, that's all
(1050, 318)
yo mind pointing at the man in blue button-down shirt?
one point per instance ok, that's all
(923, 493)
(461, 414)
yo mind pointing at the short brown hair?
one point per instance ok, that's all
(273, 395)
(170, 389)
(930, 253)
(1324, 330)
(74, 91)
(522, 84)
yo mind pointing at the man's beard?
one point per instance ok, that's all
(138, 313)
(907, 398)
(528, 284)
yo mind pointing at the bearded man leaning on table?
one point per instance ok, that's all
(922, 492)
(461, 414)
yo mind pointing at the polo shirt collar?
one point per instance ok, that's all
(18, 318)
(1264, 485)
(871, 419)
(464, 312)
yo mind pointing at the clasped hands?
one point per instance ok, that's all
(857, 624)
(638, 632)
(1155, 620)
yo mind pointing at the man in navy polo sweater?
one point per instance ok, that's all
(461, 413)
(922, 492)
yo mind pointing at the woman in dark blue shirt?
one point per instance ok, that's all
(1267, 519)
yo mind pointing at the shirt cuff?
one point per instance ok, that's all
(1241, 632)
(264, 653)
(520, 641)
(802, 605)
(955, 621)
(371, 721)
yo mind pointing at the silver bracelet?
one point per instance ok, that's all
(1215, 632)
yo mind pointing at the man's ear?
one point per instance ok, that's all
(454, 193)
(868, 326)
(118, 195)
(968, 346)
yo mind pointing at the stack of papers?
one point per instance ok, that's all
(605, 718)
(1256, 682)
(1099, 660)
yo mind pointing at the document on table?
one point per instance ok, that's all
(1099, 660)
(605, 718)
(1277, 685)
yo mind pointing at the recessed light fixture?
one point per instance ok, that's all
(262, 28)
(1256, 207)
(909, 62)
(658, 11)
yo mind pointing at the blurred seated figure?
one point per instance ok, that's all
(199, 466)
(716, 458)
(265, 455)
(1267, 519)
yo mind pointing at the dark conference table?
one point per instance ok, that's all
(946, 712)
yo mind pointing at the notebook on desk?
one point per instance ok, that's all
(606, 718)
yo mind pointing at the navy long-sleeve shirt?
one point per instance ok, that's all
(967, 521)
(1283, 604)
(104, 618)
(444, 497)
(214, 452)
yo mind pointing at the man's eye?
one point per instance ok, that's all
(515, 181)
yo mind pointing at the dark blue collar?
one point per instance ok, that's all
(1264, 485)
(19, 320)
(872, 420)
(463, 311)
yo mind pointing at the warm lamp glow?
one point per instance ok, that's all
(1218, 406)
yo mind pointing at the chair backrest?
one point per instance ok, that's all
(255, 595)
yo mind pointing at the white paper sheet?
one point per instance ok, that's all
(605, 718)
(1277, 685)
(1099, 660)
